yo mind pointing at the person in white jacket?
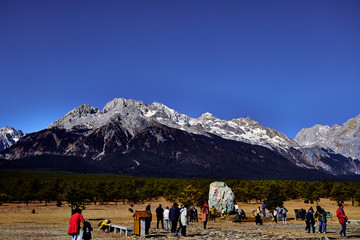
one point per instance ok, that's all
(183, 221)
(167, 219)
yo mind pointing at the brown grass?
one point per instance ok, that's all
(51, 222)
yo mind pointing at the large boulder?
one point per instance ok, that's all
(221, 196)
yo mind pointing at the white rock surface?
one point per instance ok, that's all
(221, 196)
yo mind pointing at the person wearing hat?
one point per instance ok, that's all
(204, 215)
(104, 226)
(183, 219)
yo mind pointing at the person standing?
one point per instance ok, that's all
(283, 212)
(195, 213)
(204, 215)
(321, 215)
(275, 215)
(183, 219)
(340, 213)
(263, 206)
(236, 206)
(212, 213)
(167, 218)
(148, 219)
(74, 223)
(174, 216)
(310, 221)
(160, 216)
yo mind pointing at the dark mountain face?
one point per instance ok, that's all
(157, 150)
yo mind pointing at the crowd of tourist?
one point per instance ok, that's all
(177, 219)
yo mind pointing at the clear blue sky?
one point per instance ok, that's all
(286, 64)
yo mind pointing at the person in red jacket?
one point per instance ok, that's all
(74, 227)
(342, 219)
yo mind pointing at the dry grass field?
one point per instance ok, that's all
(51, 222)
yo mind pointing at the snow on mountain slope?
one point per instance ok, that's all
(135, 115)
(9, 136)
(344, 139)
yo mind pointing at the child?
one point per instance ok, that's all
(87, 230)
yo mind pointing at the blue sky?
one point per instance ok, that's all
(286, 64)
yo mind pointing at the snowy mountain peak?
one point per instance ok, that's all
(135, 115)
(6, 130)
(9, 136)
(344, 139)
(207, 116)
(119, 104)
(81, 114)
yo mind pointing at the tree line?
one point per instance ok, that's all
(79, 189)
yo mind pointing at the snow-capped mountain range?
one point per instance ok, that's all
(89, 132)
(136, 115)
(9, 136)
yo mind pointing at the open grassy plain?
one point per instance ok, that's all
(51, 222)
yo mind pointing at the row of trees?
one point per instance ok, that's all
(77, 189)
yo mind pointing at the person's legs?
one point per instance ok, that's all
(180, 227)
(183, 231)
(324, 227)
(307, 228)
(205, 222)
(157, 223)
(167, 224)
(343, 229)
(162, 223)
(73, 236)
(313, 227)
(173, 226)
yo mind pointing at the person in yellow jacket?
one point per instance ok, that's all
(104, 226)
(212, 213)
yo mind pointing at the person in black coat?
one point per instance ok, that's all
(258, 219)
(310, 221)
(148, 219)
(160, 216)
(174, 216)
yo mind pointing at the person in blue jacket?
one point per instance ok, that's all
(283, 212)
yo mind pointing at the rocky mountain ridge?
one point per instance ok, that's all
(344, 139)
(322, 141)
(125, 128)
(9, 136)
(135, 115)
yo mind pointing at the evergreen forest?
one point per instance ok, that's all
(80, 189)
